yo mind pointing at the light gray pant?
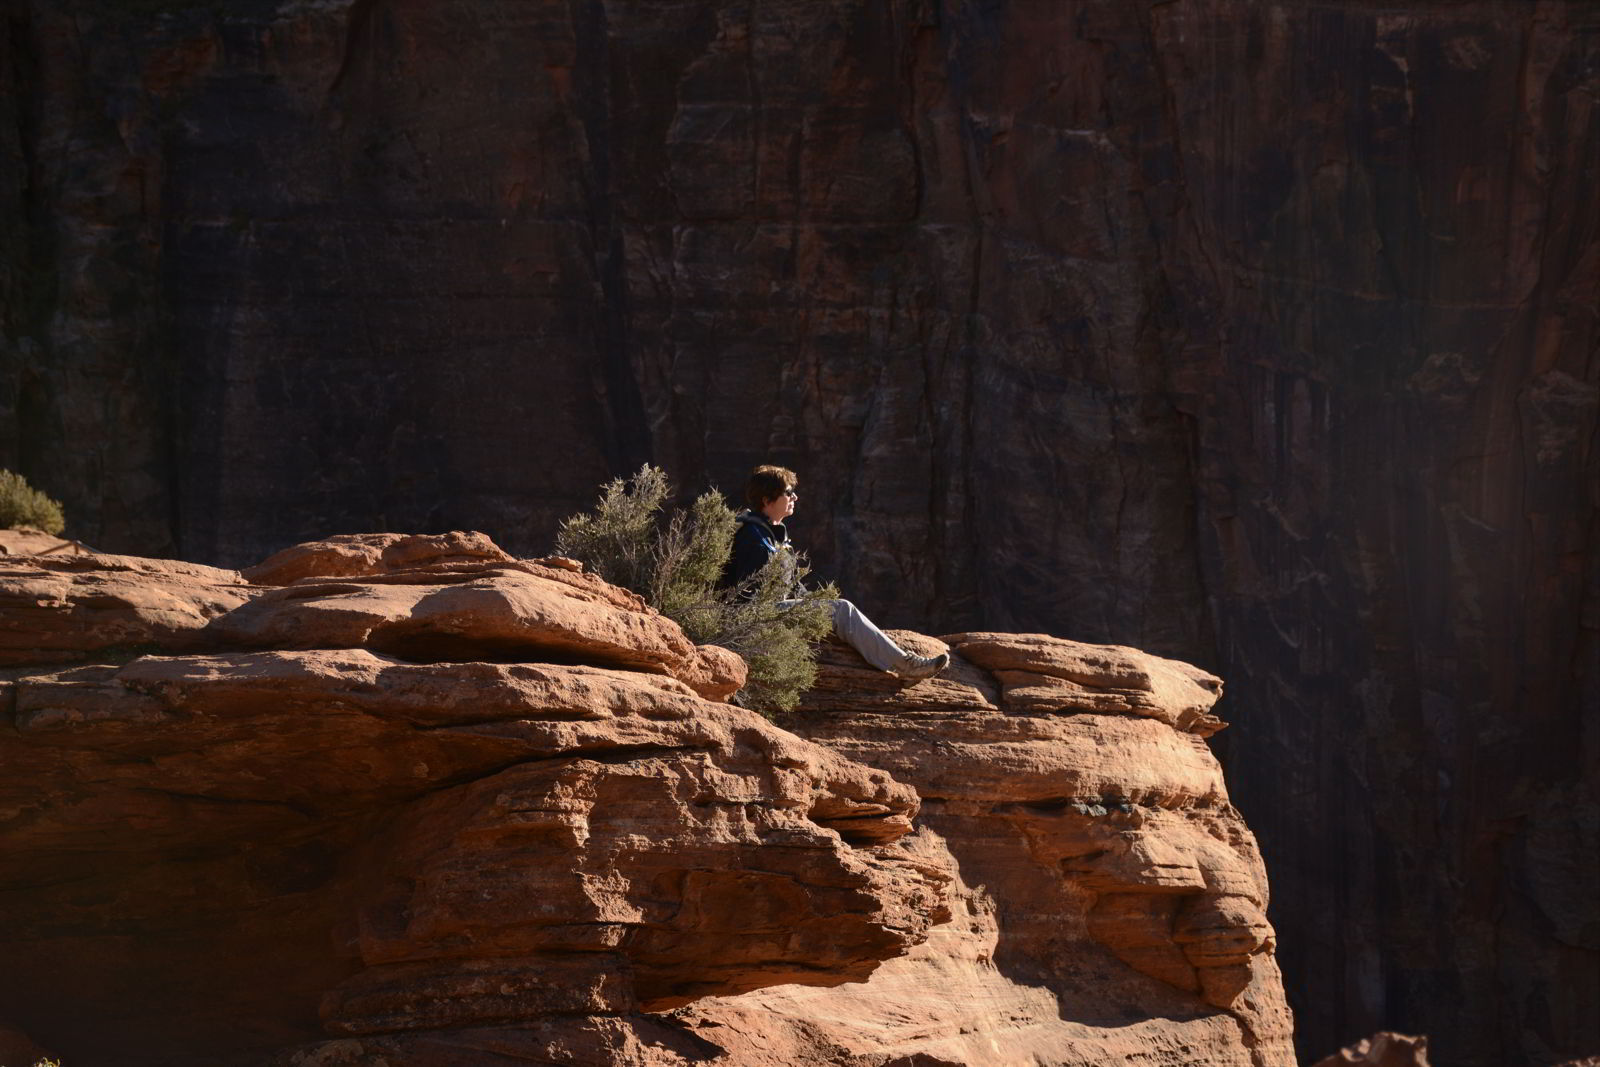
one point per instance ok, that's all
(875, 646)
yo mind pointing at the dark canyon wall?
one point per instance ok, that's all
(1263, 335)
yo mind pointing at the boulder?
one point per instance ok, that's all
(65, 608)
(1043, 673)
(351, 555)
(508, 613)
(1384, 1049)
(1110, 903)
(458, 597)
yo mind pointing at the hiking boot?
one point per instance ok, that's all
(916, 667)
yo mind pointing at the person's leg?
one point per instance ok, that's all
(861, 634)
(875, 646)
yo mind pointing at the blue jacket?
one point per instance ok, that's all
(758, 539)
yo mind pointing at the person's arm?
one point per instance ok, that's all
(752, 547)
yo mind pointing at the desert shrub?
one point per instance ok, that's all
(23, 505)
(779, 645)
(675, 560)
(618, 539)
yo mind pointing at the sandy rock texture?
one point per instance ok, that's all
(330, 853)
(474, 811)
(1110, 904)
(64, 607)
(1381, 1050)
(1256, 333)
(31, 542)
(377, 553)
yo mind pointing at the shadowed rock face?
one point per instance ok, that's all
(1259, 334)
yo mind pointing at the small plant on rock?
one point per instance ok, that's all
(23, 505)
(675, 561)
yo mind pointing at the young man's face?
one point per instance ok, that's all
(781, 506)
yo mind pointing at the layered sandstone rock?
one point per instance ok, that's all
(1381, 1050)
(311, 844)
(451, 597)
(213, 856)
(1256, 332)
(375, 553)
(26, 541)
(68, 607)
(1110, 906)
(513, 612)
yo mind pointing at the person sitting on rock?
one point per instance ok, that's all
(762, 535)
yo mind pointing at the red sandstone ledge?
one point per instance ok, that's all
(408, 799)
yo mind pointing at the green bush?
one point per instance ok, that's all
(23, 505)
(674, 560)
(617, 539)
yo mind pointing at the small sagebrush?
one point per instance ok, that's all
(617, 539)
(675, 561)
(23, 505)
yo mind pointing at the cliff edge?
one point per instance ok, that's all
(408, 799)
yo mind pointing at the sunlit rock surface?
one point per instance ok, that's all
(283, 835)
(1110, 906)
(219, 854)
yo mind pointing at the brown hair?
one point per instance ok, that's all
(767, 483)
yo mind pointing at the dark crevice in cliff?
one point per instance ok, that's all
(626, 436)
(1175, 337)
(436, 647)
(213, 800)
(609, 754)
(944, 409)
(988, 596)
(30, 293)
(358, 29)
(13, 196)
(544, 714)
(861, 831)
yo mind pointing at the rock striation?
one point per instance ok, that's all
(431, 810)
(64, 608)
(1110, 905)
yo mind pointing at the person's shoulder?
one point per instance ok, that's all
(756, 529)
